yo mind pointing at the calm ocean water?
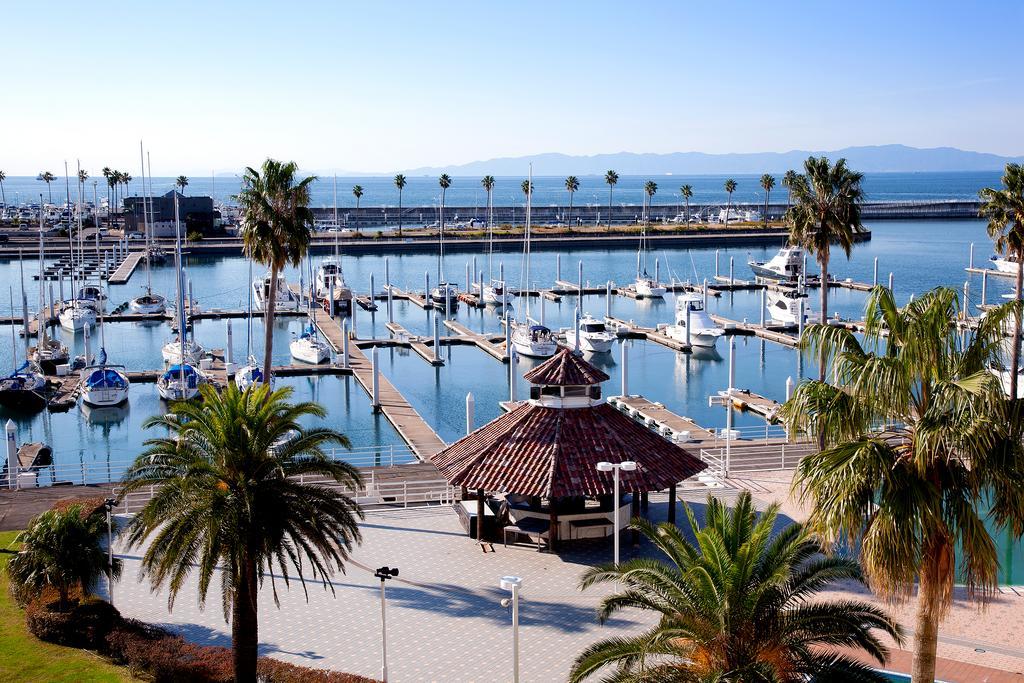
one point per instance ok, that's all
(548, 190)
(921, 255)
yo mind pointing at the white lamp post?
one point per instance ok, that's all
(616, 467)
(512, 583)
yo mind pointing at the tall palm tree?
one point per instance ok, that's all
(737, 605)
(47, 178)
(767, 182)
(488, 184)
(913, 494)
(107, 172)
(126, 178)
(276, 227)
(357, 192)
(61, 550)
(650, 188)
(400, 184)
(112, 181)
(181, 182)
(730, 187)
(83, 175)
(572, 183)
(787, 181)
(3, 195)
(526, 187)
(612, 178)
(826, 212)
(230, 499)
(687, 193)
(1004, 209)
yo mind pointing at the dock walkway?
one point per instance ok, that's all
(417, 344)
(482, 342)
(123, 272)
(679, 428)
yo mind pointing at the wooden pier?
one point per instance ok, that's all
(417, 344)
(746, 400)
(648, 333)
(65, 395)
(989, 271)
(123, 272)
(679, 428)
(416, 299)
(769, 333)
(482, 342)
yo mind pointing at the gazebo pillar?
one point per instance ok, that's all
(553, 525)
(480, 515)
(643, 502)
(672, 504)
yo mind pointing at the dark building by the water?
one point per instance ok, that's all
(196, 213)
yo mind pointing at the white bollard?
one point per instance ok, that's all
(469, 413)
(890, 282)
(688, 311)
(764, 304)
(426, 286)
(512, 376)
(558, 269)
(85, 341)
(705, 294)
(12, 455)
(437, 337)
(716, 262)
(541, 297)
(800, 320)
(608, 299)
(625, 368)
(789, 387)
(581, 282)
(391, 305)
(229, 352)
(984, 287)
(352, 315)
(373, 293)
(576, 319)
(344, 344)
(375, 394)
(657, 270)
(970, 263)
(874, 276)
(732, 280)
(469, 281)
(387, 272)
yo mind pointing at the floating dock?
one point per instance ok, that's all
(417, 344)
(678, 428)
(124, 271)
(744, 399)
(482, 342)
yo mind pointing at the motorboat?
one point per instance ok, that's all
(444, 294)
(48, 354)
(180, 382)
(148, 304)
(93, 296)
(250, 374)
(594, 335)
(533, 340)
(785, 306)
(188, 351)
(104, 385)
(786, 265)
(286, 299)
(23, 389)
(497, 293)
(703, 331)
(329, 284)
(309, 348)
(1006, 264)
(649, 288)
(76, 315)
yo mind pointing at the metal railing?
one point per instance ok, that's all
(745, 459)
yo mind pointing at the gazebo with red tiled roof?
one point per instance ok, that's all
(549, 446)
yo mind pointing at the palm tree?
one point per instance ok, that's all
(400, 184)
(767, 182)
(47, 178)
(488, 184)
(3, 195)
(737, 605)
(1005, 211)
(126, 178)
(730, 187)
(650, 187)
(230, 500)
(610, 177)
(826, 212)
(687, 193)
(572, 183)
(526, 187)
(107, 172)
(788, 181)
(445, 181)
(357, 192)
(62, 549)
(83, 175)
(181, 182)
(276, 227)
(919, 463)
(112, 181)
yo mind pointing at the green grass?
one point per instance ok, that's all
(25, 658)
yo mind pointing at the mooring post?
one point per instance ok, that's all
(731, 264)
(608, 299)
(508, 336)
(24, 313)
(373, 293)
(874, 275)
(764, 304)
(426, 286)
(716, 262)
(512, 375)
(970, 260)
(984, 287)
(800, 320)
(625, 368)
(344, 343)
(469, 281)
(229, 353)
(12, 454)
(437, 338)
(391, 305)
(890, 282)
(580, 303)
(352, 315)
(705, 294)
(469, 412)
(558, 269)
(60, 284)
(376, 380)
(657, 270)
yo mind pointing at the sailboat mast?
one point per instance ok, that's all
(71, 241)
(337, 228)
(440, 241)
(145, 217)
(248, 322)
(43, 314)
(529, 210)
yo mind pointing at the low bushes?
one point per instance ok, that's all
(85, 625)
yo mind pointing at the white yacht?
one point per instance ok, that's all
(175, 351)
(179, 383)
(329, 284)
(1004, 377)
(1005, 264)
(287, 300)
(250, 374)
(76, 315)
(594, 335)
(784, 306)
(148, 304)
(533, 340)
(787, 264)
(444, 294)
(704, 332)
(93, 296)
(497, 293)
(309, 348)
(104, 385)
(649, 288)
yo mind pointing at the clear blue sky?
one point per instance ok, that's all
(379, 86)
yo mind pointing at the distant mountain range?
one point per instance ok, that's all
(869, 159)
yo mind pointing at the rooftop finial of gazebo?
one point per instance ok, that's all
(565, 369)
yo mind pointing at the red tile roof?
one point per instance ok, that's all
(553, 452)
(565, 368)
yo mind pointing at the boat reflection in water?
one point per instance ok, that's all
(106, 416)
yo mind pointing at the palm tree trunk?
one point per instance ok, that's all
(1015, 354)
(687, 213)
(268, 323)
(245, 625)
(766, 193)
(568, 221)
(609, 208)
(399, 213)
(823, 262)
(931, 585)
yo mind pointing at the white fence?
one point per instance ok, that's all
(742, 459)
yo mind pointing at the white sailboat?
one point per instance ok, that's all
(445, 294)
(148, 303)
(308, 347)
(496, 292)
(181, 380)
(531, 338)
(77, 314)
(704, 332)
(646, 286)
(47, 353)
(329, 284)
(251, 373)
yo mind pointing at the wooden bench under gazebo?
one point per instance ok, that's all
(541, 458)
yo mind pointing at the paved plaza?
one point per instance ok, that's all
(445, 622)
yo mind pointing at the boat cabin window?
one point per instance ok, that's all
(593, 327)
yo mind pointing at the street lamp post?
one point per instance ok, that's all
(108, 505)
(512, 583)
(384, 573)
(615, 468)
